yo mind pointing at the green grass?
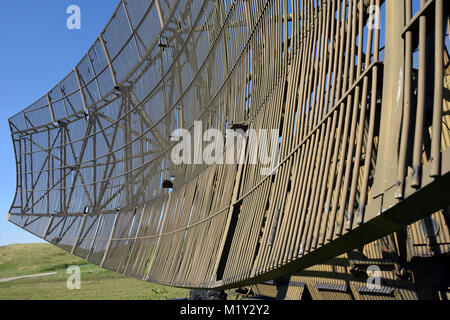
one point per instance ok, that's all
(96, 283)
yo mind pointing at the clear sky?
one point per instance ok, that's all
(36, 51)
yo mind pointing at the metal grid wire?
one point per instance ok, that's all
(92, 154)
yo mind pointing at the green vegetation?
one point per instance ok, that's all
(96, 283)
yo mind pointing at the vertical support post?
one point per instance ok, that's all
(50, 108)
(48, 172)
(113, 230)
(159, 238)
(401, 170)
(63, 165)
(234, 198)
(391, 111)
(158, 8)
(127, 138)
(108, 60)
(80, 230)
(24, 174)
(83, 97)
(135, 238)
(50, 221)
(421, 102)
(95, 236)
(438, 91)
(31, 173)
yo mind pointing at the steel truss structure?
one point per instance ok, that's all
(362, 112)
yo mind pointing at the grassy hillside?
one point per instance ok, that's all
(96, 283)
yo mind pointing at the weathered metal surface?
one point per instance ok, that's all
(363, 147)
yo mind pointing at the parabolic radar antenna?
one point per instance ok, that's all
(356, 93)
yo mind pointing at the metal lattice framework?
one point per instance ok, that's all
(363, 137)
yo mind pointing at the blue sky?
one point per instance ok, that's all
(37, 51)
